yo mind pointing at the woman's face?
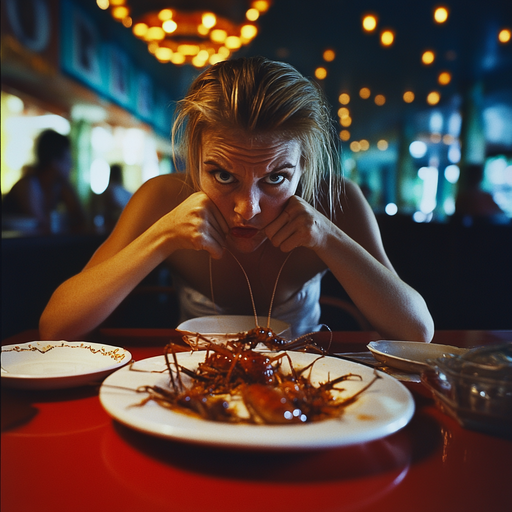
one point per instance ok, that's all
(250, 180)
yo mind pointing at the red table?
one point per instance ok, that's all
(62, 452)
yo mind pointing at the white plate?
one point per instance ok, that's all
(384, 408)
(59, 364)
(223, 327)
(409, 356)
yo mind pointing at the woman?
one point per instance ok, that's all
(45, 187)
(262, 195)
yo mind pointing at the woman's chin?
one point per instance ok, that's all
(246, 245)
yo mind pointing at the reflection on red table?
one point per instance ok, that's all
(62, 452)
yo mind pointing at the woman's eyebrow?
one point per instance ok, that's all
(283, 166)
(214, 163)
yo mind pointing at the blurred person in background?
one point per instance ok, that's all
(475, 204)
(115, 197)
(44, 192)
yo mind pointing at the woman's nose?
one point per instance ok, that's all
(247, 204)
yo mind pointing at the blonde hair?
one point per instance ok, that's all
(261, 96)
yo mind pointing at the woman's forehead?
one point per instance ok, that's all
(237, 137)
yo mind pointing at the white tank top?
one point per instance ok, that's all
(301, 311)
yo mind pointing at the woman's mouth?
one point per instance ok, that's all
(243, 232)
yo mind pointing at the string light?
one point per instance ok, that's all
(387, 37)
(444, 78)
(441, 14)
(365, 93)
(433, 98)
(408, 96)
(344, 98)
(504, 36)
(428, 57)
(369, 22)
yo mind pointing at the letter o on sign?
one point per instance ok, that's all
(30, 22)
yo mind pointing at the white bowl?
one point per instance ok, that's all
(225, 327)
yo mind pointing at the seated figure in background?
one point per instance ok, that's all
(115, 197)
(44, 192)
(475, 204)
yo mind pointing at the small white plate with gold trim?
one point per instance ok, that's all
(59, 364)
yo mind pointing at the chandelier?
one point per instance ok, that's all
(193, 35)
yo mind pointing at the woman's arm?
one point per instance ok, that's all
(159, 220)
(352, 249)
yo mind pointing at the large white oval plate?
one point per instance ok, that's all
(384, 408)
(59, 364)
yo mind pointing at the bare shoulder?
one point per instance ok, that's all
(356, 218)
(154, 199)
(159, 196)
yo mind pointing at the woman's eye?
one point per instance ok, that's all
(275, 179)
(223, 177)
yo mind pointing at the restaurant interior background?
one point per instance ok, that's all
(416, 97)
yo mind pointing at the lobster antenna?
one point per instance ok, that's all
(250, 288)
(215, 307)
(275, 288)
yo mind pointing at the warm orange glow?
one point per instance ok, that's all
(233, 43)
(382, 145)
(369, 22)
(344, 98)
(364, 93)
(165, 14)
(444, 78)
(215, 36)
(346, 121)
(380, 99)
(441, 14)
(355, 146)
(252, 14)
(504, 35)
(387, 37)
(178, 58)
(248, 32)
(169, 26)
(364, 144)
(218, 35)
(433, 98)
(344, 135)
(329, 55)
(261, 5)
(428, 57)
(320, 73)
(140, 29)
(120, 12)
(163, 54)
(209, 19)
(343, 112)
(154, 34)
(408, 96)
(188, 49)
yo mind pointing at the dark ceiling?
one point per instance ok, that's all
(466, 45)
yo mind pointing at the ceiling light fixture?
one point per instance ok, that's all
(199, 37)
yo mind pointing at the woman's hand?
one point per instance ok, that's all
(197, 224)
(298, 225)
